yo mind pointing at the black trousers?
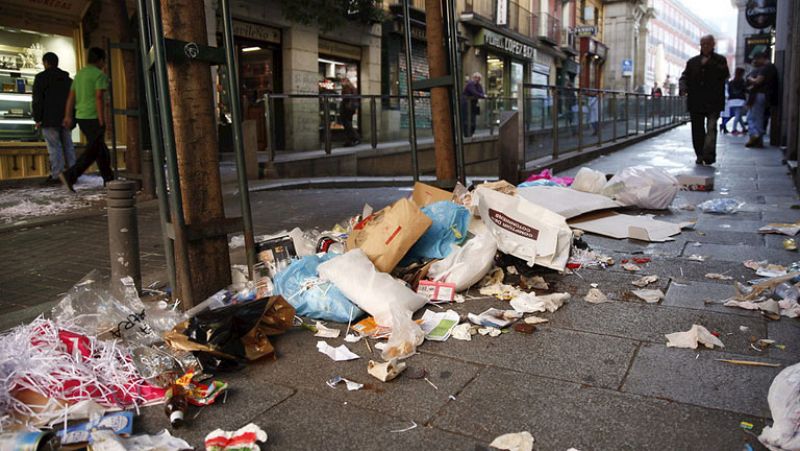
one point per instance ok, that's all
(704, 136)
(96, 151)
(350, 134)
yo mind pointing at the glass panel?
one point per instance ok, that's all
(494, 77)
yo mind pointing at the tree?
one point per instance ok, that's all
(331, 14)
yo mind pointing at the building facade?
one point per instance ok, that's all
(627, 24)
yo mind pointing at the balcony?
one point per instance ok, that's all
(569, 43)
(519, 18)
(547, 28)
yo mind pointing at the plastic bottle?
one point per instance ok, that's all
(176, 405)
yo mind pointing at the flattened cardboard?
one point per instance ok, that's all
(621, 226)
(566, 202)
(696, 182)
(425, 194)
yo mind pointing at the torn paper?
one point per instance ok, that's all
(595, 296)
(649, 296)
(351, 386)
(692, 337)
(519, 441)
(385, 371)
(326, 332)
(529, 302)
(462, 332)
(338, 354)
(717, 276)
(494, 318)
(645, 281)
(535, 320)
(438, 326)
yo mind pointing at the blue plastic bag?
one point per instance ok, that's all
(450, 223)
(301, 286)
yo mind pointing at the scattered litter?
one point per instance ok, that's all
(530, 302)
(519, 441)
(534, 283)
(631, 267)
(340, 353)
(696, 182)
(437, 292)
(649, 296)
(686, 206)
(462, 332)
(697, 258)
(352, 338)
(494, 318)
(413, 426)
(594, 285)
(790, 244)
(744, 328)
(243, 439)
(385, 371)
(589, 181)
(535, 320)
(721, 206)
(692, 337)
(765, 269)
(512, 270)
(106, 440)
(595, 296)
(351, 386)
(326, 332)
(643, 186)
(438, 326)
(746, 425)
(620, 226)
(717, 276)
(781, 228)
(566, 202)
(784, 403)
(490, 331)
(749, 363)
(645, 281)
(501, 291)
(524, 328)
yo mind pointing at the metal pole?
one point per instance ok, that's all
(326, 123)
(412, 123)
(636, 113)
(646, 111)
(168, 135)
(599, 96)
(614, 116)
(148, 183)
(272, 143)
(373, 122)
(238, 140)
(554, 108)
(123, 235)
(268, 127)
(627, 114)
(114, 162)
(455, 92)
(155, 143)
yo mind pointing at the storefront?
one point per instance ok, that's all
(508, 63)
(336, 61)
(258, 49)
(593, 57)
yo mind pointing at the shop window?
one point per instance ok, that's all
(332, 70)
(494, 77)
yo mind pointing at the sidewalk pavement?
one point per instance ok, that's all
(595, 377)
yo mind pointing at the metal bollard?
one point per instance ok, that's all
(148, 176)
(123, 235)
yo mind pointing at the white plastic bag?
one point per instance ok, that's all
(784, 403)
(467, 264)
(589, 181)
(375, 292)
(642, 186)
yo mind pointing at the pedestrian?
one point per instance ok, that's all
(703, 82)
(568, 96)
(347, 109)
(737, 97)
(656, 92)
(50, 91)
(469, 103)
(668, 87)
(763, 82)
(87, 98)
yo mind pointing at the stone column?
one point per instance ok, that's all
(300, 76)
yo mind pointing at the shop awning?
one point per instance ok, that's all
(51, 16)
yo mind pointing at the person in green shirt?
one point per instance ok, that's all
(87, 98)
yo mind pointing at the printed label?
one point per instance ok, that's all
(513, 225)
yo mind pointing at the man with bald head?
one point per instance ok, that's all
(703, 82)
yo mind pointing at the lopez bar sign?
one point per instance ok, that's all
(503, 43)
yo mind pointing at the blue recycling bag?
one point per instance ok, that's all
(300, 285)
(450, 224)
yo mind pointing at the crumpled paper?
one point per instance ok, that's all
(530, 302)
(385, 371)
(692, 337)
(462, 332)
(518, 441)
(644, 281)
(595, 296)
(649, 296)
(338, 354)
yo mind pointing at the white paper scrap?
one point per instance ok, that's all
(338, 354)
(692, 337)
(645, 281)
(352, 338)
(438, 325)
(351, 385)
(649, 296)
(461, 332)
(595, 296)
(519, 441)
(529, 302)
(535, 320)
(326, 332)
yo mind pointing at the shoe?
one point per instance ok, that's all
(698, 161)
(709, 163)
(50, 181)
(67, 184)
(751, 142)
(759, 144)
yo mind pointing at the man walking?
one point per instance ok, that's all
(703, 81)
(87, 99)
(50, 92)
(469, 104)
(763, 83)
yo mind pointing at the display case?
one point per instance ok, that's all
(16, 114)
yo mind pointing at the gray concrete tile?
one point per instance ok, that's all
(727, 223)
(693, 295)
(785, 332)
(742, 253)
(695, 377)
(562, 415)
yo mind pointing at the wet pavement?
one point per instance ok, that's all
(595, 377)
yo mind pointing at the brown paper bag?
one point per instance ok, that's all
(386, 236)
(425, 194)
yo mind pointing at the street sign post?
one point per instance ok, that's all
(627, 68)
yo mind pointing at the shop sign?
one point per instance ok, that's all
(502, 12)
(755, 44)
(339, 49)
(586, 30)
(503, 43)
(417, 33)
(761, 13)
(627, 68)
(254, 31)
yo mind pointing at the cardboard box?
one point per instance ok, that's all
(425, 194)
(696, 182)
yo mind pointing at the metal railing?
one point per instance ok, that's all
(559, 119)
(546, 26)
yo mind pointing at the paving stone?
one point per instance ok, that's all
(785, 332)
(680, 375)
(693, 295)
(742, 253)
(726, 223)
(561, 415)
(413, 399)
(776, 242)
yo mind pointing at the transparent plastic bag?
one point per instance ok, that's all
(721, 206)
(589, 181)
(642, 186)
(784, 403)
(405, 337)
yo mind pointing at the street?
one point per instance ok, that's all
(596, 376)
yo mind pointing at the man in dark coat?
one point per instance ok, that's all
(469, 104)
(703, 81)
(50, 92)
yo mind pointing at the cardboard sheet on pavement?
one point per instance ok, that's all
(567, 202)
(616, 225)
